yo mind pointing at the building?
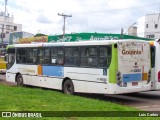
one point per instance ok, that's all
(152, 26)
(132, 31)
(15, 36)
(7, 26)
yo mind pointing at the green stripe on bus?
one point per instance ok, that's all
(113, 66)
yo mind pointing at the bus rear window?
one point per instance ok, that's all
(97, 56)
(153, 50)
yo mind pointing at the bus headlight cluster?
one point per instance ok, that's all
(118, 78)
(149, 77)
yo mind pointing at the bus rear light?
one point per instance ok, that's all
(149, 77)
(148, 81)
(145, 76)
(149, 74)
(119, 83)
(151, 43)
(118, 78)
(124, 84)
(118, 73)
(159, 76)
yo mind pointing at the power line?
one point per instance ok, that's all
(119, 9)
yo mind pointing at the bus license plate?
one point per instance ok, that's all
(134, 83)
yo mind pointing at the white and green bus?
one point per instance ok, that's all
(101, 67)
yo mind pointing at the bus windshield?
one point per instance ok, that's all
(10, 57)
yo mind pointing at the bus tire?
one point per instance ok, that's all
(19, 80)
(68, 87)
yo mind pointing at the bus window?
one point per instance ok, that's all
(31, 54)
(76, 56)
(53, 55)
(68, 57)
(57, 56)
(21, 56)
(104, 56)
(72, 56)
(89, 56)
(44, 56)
(153, 50)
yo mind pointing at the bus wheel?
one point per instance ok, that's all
(68, 87)
(19, 80)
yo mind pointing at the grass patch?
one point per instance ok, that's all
(15, 98)
(36, 99)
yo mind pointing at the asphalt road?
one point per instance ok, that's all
(2, 77)
(4, 82)
(147, 101)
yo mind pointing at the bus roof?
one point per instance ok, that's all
(79, 43)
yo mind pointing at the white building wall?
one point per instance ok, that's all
(7, 25)
(152, 26)
(132, 31)
(27, 35)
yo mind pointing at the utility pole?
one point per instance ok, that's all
(64, 18)
(2, 34)
(5, 15)
(121, 37)
(5, 7)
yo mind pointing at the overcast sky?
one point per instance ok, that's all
(103, 16)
